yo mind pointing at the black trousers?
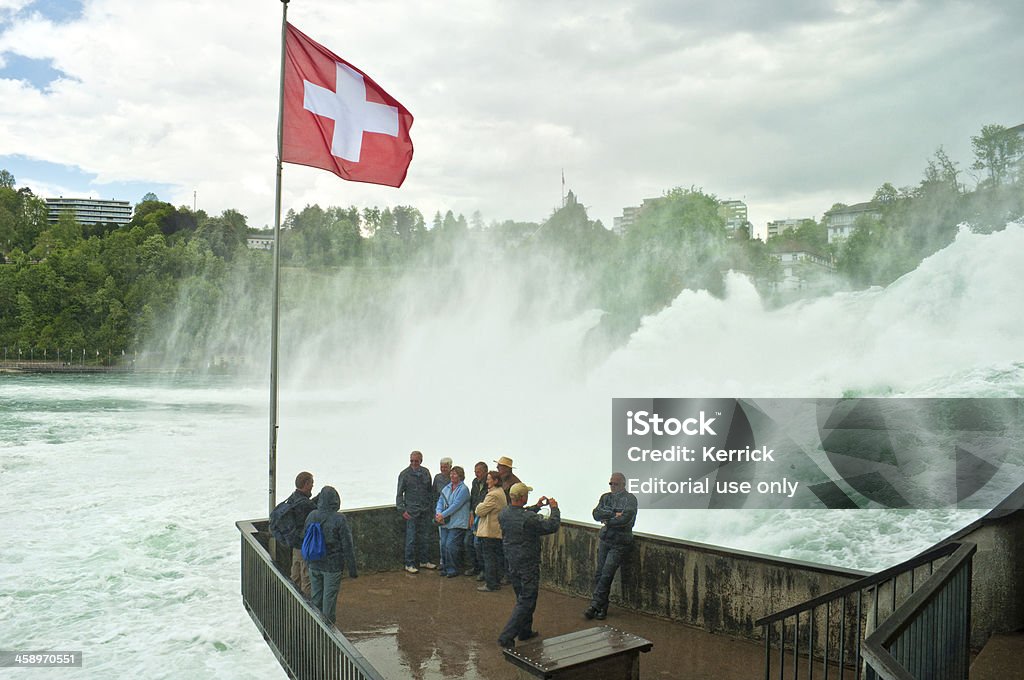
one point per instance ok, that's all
(520, 623)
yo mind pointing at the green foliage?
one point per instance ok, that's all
(110, 288)
(998, 152)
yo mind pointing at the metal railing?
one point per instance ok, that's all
(927, 637)
(308, 646)
(827, 632)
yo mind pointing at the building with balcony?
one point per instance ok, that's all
(802, 269)
(90, 210)
(840, 221)
(734, 213)
(260, 242)
(620, 225)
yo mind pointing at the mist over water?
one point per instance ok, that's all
(501, 358)
(120, 492)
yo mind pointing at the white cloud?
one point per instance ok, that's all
(793, 107)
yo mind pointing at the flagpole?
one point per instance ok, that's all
(272, 462)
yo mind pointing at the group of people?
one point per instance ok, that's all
(500, 533)
(466, 517)
(487, 525)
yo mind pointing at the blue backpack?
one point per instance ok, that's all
(313, 548)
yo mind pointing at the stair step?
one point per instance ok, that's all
(1002, 657)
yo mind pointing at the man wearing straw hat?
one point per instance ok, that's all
(508, 478)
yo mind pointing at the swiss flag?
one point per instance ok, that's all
(338, 119)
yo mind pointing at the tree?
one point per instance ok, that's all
(941, 172)
(885, 195)
(997, 151)
(6, 180)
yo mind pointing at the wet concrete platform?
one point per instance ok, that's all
(425, 627)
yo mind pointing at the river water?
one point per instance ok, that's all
(120, 493)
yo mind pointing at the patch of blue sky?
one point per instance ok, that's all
(57, 11)
(49, 180)
(39, 73)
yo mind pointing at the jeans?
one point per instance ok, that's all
(451, 542)
(493, 562)
(520, 623)
(325, 586)
(416, 531)
(609, 557)
(474, 553)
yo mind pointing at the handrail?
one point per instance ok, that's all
(861, 584)
(876, 645)
(306, 644)
(844, 626)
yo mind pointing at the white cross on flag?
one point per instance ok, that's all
(338, 119)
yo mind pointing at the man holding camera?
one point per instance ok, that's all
(616, 511)
(521, 529)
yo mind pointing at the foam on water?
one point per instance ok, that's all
(119, 537)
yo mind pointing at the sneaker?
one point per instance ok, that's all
(507, 644)
(411, 569)
(589, 613)
(485, 589)
(480, 578)
(428, 565)
(469, 572)
(528, 636)
(601, 615)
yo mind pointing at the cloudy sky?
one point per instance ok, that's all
(790, 105)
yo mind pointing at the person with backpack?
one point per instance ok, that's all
(287, 522)
(327, 549)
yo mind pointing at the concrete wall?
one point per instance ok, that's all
(379, 537)
(997, 585)
(717, 589)
(378, 534)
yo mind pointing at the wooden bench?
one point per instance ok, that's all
(601, 652)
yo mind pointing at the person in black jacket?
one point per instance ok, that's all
(616, 511)
(325, 574)
(521, 530)
(474, 548)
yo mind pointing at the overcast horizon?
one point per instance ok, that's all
(788, 106)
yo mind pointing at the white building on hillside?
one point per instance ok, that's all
(90, 210)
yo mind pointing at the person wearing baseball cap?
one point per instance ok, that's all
(521, 530)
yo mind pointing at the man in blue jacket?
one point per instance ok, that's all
(616, 511)
(325, 574)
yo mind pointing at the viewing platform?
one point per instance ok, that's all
(708, 612)
(427, 627)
